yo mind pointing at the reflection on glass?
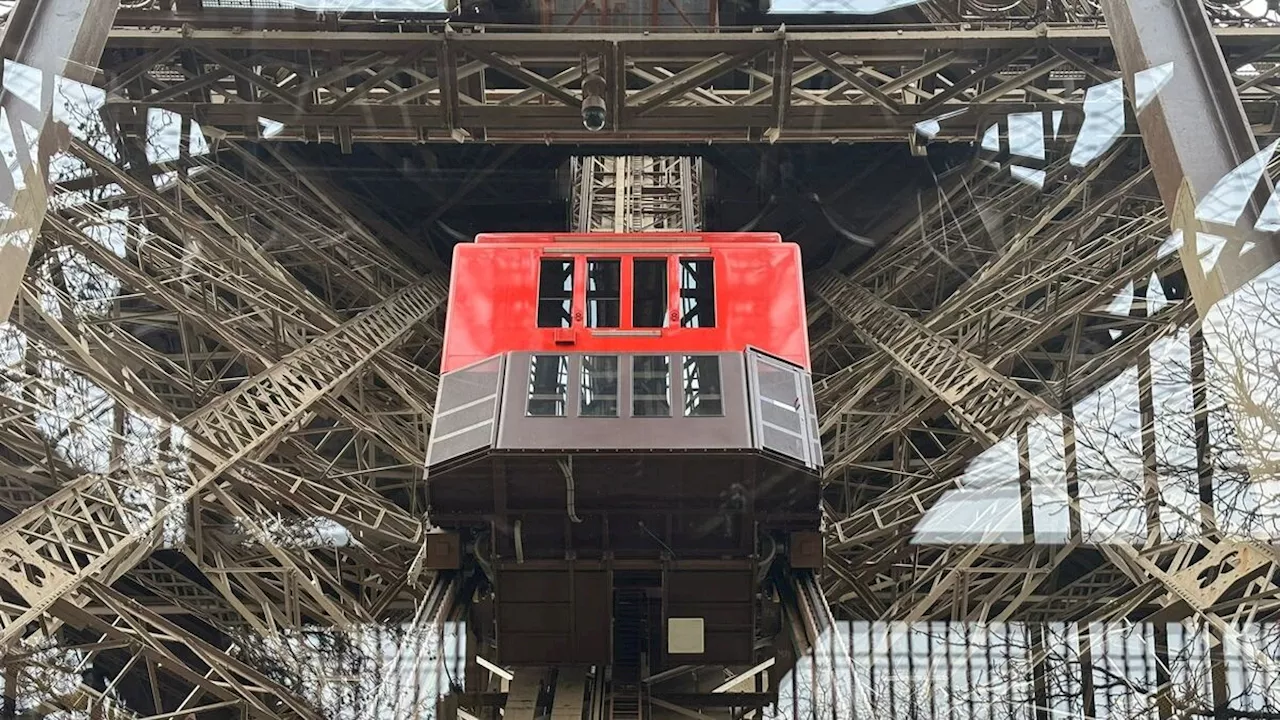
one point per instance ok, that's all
(166, 128)
(985, 508)
(1208, 248)
(1103, 122)
(1147, 84)
(650, 386)
(269, 128)
(599, 386)
(930, 128)
(1114, 499)
(548, 385)
(1048, 471)
(439, 7)
(1269, 218)
(1122, 303)
(995, 670)
(1225, 203)
(1156, 298)
(991, 139)
(1030, 176)
(1026, 135)
(372, 670)
(702, 386)
(1171, 245)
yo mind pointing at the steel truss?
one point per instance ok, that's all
(636, 193)
(498, 87)
(284, 334)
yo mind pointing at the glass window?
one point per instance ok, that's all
(702, 386)
(697, 293)
(599, 386)
(555, 293)
(548, 385)
(649, 293)
(650, 386)
(604, 293)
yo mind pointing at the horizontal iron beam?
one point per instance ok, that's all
(871, 85)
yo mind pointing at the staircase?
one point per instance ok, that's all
(630, 626)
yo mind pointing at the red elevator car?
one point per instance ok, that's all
(625, 440)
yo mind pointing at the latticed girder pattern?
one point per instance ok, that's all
(209, 267)
(177, 588)
(636, 193)
(1069, 266)
(981, 399)
(89, 531)
(809, 85)
(202, 669)
(193, 277)
(1072, 269)
(93, 527)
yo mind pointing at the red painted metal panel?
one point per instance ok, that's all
(493, 296)
(655, 238)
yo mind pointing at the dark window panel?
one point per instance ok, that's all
(649, 293)
(604, 293)
(555, 293)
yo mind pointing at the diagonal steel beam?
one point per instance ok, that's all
(382, 528)
(1195, 132)
(650, 98)
(374, 518)
(525, 75)
(982, 400)
(89, 531)
(59, 38)
(1213, 182)
(197, 666)
(257, 278)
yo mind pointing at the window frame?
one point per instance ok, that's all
(587, 260)
(679, 291)
(673, 298)
(565, 369)
(633, 395)
(575, 278)
(685, 395)
(630, 271)
(617, 381)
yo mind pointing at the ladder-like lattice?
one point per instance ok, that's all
(636, 194)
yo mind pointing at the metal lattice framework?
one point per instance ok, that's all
(794, 86)
(217, 381)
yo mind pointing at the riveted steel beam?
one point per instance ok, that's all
(1195, 129)
(675, 88)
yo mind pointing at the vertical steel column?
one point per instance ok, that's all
(636, 194)
(60, 38)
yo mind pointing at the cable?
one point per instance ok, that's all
(658, 539)
(567, 469)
